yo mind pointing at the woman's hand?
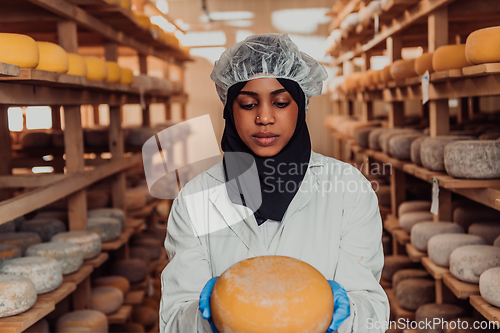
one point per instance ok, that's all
(341, 307)
(205, 302)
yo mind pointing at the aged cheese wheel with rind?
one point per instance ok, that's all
(402, 69)
(415, 150)
(108, 228)
(373, 142)
(69, 255)
(424, 64)
(362, 137)
(89, 242)
(44, 227)
(127, 76)
(384, 138)
(438, 312)
(468, 262)
(18, 295)
(475, 159)
(411, 273)
(394, 263)
(45, 273)
(423, 231)
(400, 145)
(448, 57)
(22, 240)
(414, 206)
(432, 150)
(134, 270)
(412, 293)
(113, 281)
(489, 286)
(109, 212)
(440, 247)
(106, 299)
(466, 215)
(482, 46)
(114, 71)
(126, 328)
(497, 242)
(408, 220)
(82, 321)
(489, 231)
(96, 68)
(9, 252)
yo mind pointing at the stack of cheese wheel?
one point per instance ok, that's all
(97, 70)
(19, 50)
(408, 220)
(247, 296)
(449, 57)
(89, 242)
(467, 263)
(482, 46)
(489, 231)
(411, 293)
(45, 273)
(22, 240)
(423, 231)
(440, 247)
(44, 227)
(424, 64)
(82, 321)
(35, 139)
(108, 228)
(69, 255)
(465, 215)
(18, 294)
(9, 252)
(477, 159)
(134, 270)
(77, 65)
(52, 58)
(394, 263)
(432, 150)
(106, 299)
(489, 286)
(402, 69)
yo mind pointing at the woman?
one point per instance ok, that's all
(308, 206)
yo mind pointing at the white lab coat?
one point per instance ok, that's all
(336, 229)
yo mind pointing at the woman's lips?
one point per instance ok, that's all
(265, 139)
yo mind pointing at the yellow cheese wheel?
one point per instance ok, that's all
(19, 50)
(127, 76)
(143, 20)
(53, 58)
(483, 46)
(77, 65)
(96, 69)
(402, 69)
(272, 294)
(114, 71)
(424, 63)
(449, 57)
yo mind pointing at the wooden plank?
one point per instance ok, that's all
(98, 261)
(116, 244)
(447, 75)
(436, 271)
(437, 23)
(449, 182)
(116, 146)
(414, 254)
(486, 196)
(409, 168)
(396, 310)
(483, 69)
(5, 149)
(121, 316)
(134, 297)
(9, 70)
(401, 236)
(24, 320)
(489, 311)
(67, 36)
(79, 275)
(439, 117)
(30, 180)
(426, 175)
(461, 290)
(59, 294)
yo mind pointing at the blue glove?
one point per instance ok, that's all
(341, 307)
(205, 302)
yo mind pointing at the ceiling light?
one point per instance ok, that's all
(204, 38)
(229, 16)
(303, 20)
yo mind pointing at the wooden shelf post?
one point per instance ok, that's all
(5, 149)
(116, 148)
(143, 68)
(67, 36)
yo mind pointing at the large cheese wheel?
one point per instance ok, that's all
(19, 50)
(400, 145)
(69, 255)
(489, 286)
(45, 273)
(140, 252)
(134, 270)
(362, 137)
(145, 316)
(412, 293)
(468, 262)
(408, 220)
(449, 57)
(373, 142)
(41, 326)
(415, 150)
(97, 199)
(483, 46)
(476, 159)
(22, 240)
(106, 299)
(394, 263)
(440, 247)
(384, 195)
(108, 228)
(250, 297)
(127, 76)
(116, 213)
(8, 226)
(402, 69)
(77, 65)
(436, 312)
(35, 139)
(9, 252)
(432, 151)
(18, 294)
(89, 242)
(423, 231)
(96, 68)
(52, 58)
(489, 231)
(114, 71)
(424, 64)
(411, 273)
(414, 206)
(466, 215)
(383, 139)
(127, 328)
(113, 281)
(44, 227)
(82, 321)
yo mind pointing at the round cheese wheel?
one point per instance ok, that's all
(408, 220)
(44, 227)
(114, 71)
(106, 299)
(476, 159)
(143, 20)
(424, 64)
(432, 151)
(108, 212)
(465, 325)
(45, 273)
(449, 57)
(145, 316)
(384, 195)
(482, 46)
(489, 286)
(35, 139)
(402, 69)
(127, 328)
(8, 226)
(97, 199)
(423, 231)
(18, 295)
(412, 273)
(108, 228)
(52, 214)
(414, 206)
(249, 296)
(489, 231)
(373, 142)
(82, 321)
(113, 281)
(9, 252)
(22, 240)
(135, 199)
(77, 65)
(127, 76)
(89, 242)
(52, 58)
(436, 312)
(140, 252)
(385, 74)
(400, 145)
(96, 68)
(69, 255)
(96, 137)
(41, 326)
(383, 139)
(415, 150)
(412, 293)
(154, 246)
(468, 262)
(394, 263)
(440, 247)
(362, 137)
(466, 215)
(19, 50)
(134, 270)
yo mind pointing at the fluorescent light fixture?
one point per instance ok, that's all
(229, 16)
(162, 6)
(204, 38)
(301, 20)
(239, 23)
(242, 34)
(163, 23)
(15, 119)
(210, 53)
(42, 169)
(38, 117)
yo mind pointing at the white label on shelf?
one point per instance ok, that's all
(425, 87)
(435, 197)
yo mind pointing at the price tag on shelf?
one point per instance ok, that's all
(435, 197)
(425, 87)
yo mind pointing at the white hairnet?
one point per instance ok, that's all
(267, 55)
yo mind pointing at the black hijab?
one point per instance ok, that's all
(277, 189)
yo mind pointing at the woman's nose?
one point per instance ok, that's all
(265, 115)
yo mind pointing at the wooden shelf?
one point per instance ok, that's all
(121, 316)
(391, 223)
(116, 244)
(460, 289)
(401, 236)
(449, 182)
(436, 271)
(22, 321)
(446, 75)
(414, 254)
(64, 290)
(396, 310)
(489, 311)
(8, 70)
(79, 275)
(134, 297)
(98, 261)
(483, 69)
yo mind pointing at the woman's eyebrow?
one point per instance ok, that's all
(250, 93)
(279, 91)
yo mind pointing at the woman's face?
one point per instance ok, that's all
(265, 115)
